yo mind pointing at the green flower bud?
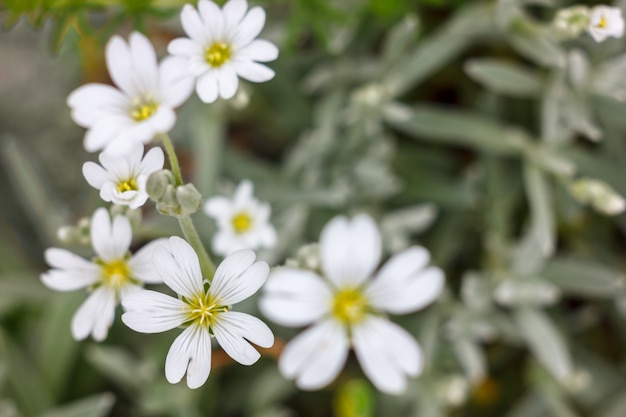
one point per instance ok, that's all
(158, 182)
(167, 203)
(189, 198)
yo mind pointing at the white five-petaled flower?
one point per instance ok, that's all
(142, 107)
(123, 175)
(222, 46)
(203, 311)
(243, 222)
(111, 276)
(606, 21)
(346, 308)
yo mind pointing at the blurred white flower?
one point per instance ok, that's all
(222, 46)
(122, 177)
(111, 276)
(142, 105)
(243, 222)
(605, 22)
(347, 308)
(203, 311)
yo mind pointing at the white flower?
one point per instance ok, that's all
(606, 21)
(122, 177)
(204, 312)
(347, 308)
(243, 222)
(142, 107)
(223, 47)
(111, 276)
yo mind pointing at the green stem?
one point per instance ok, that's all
(185, 222)
(191, 234)
(171, 154)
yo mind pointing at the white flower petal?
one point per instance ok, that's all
(110, 241)
(213, 20)
(250, 27)
(185, 47)
(224, 243)
(69, 280)
(387, 353)
(244, 194)
(233, 327)
(95, 175)
(152, 161)
(218, 207)
(254, 72)
(106, 131)
(233, 11)
(120, 64)
(190, 353)
(152, 312)
(95, 316)
(141, 263)
(350, 250)
(192, 24)
(316, 356)
(92, 102)
(293, 297)
(175, 82)
(206, 87)
(237, 278)
(409, 293)
(64, 259)
(144, 62)
(227, 81)
(179, 267)
(258, 50)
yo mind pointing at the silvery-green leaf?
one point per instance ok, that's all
(399, 39)
(536, 43)
(95, 406)
(531, 404)
(118, 365)
(545, 341)
(526, 292)
(615, 406)
(502, 77)
(584, 277)
(471, 358)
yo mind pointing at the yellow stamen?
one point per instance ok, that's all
(242, 222)
(115, 274)
(203, 310)
(217, 54)
(602, 23)
(128, 185)
(143, 110)
(349, 306)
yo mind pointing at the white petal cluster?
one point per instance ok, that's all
(606, 21)
(346, 308)
(243, 222)
(204, 312)
(222, 47)
(113, 275)
(142, 105)
(122, 176)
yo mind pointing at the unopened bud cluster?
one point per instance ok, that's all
(599, 195)
(171, 199)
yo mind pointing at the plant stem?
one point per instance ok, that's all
(171, 154)
(185, 222)
(191, 234)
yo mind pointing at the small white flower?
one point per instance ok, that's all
(605, 22)
(142, 107)
(347, 308)
(111, 276)
(243, 222)
(122, 177)
(203, 311)
(222, 46)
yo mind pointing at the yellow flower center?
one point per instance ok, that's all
(203, 310)
(349, 306)
(115, 274)
(143, 110)
(217, 54)
(128, 185)
(602, 23)
(242, 222)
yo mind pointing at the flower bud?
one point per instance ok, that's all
(599, 195)
(188, 198)
(158, 182)
(167, 203)
(571, 22)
